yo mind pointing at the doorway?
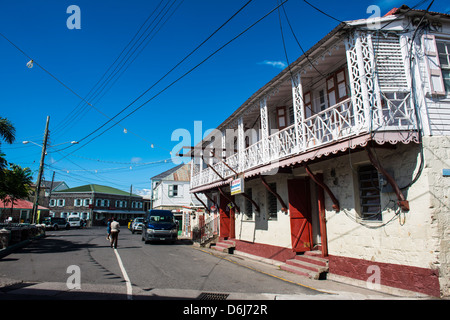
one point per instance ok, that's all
(227, 219)
(300, 214)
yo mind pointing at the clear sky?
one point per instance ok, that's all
(134, 150)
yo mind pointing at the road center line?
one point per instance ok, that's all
(125, 276)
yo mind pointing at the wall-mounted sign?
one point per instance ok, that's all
(237, 186)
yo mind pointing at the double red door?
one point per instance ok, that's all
(227, 219)
(300, 214)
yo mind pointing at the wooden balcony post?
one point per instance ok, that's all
(241, 144)
(299, 111)
(264, 129)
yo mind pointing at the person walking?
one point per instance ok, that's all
(115, 229)
(108, 229)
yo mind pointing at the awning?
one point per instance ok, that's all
(380, 138)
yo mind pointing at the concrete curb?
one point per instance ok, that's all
(10, 249)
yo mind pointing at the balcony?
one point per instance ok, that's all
(374, 103)
(393, 121)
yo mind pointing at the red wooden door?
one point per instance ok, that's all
(300, 214)
(224, 219)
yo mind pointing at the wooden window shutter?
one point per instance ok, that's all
(434, 67)
(281, 118)
(331, 90)
(341, 83)
(308, 104)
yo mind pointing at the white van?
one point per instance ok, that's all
(74, 221)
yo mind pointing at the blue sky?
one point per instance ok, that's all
(123, 155)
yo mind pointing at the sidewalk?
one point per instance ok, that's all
(13, 289)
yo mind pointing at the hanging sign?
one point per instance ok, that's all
(237, 186)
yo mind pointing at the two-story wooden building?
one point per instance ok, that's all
(346, 153)
(96, 203)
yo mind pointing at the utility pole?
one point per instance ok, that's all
(41, 169)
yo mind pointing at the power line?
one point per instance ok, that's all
(170, 71)
(123, 62)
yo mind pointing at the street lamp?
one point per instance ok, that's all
(41, 168)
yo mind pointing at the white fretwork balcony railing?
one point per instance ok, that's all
(329, 126)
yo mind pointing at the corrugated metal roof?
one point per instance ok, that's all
(96, 188)
(21, 204)
(178, 173)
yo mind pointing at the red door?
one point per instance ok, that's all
(224, 219)
(300, 214)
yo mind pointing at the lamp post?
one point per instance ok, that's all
(41, 169)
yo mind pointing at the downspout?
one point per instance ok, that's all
(402, 202)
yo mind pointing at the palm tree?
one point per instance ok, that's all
(16, 184)
(7, 134)
(7, 130)
(15, 181)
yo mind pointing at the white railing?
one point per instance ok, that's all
(328, 126)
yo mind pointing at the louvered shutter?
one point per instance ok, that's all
(434, 67)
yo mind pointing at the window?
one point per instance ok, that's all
(173, 190)
(433, 58)
(77, 202)
(444, 59)
(369, 193)
(322, 102)
(87, 202)
(308, 104)
(281, 118)
(136, 205)
(61, 202)
(52, 203)
(272, 208)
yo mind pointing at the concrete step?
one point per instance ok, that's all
(323, 262)
(310, 264)
(306, 265)
(224, 246)
(300, 271)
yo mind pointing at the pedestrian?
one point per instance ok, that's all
(108, 229)
(115, 229)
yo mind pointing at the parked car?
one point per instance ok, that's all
(160, 225)
(74, 221)
(137, 225)
(56, 223)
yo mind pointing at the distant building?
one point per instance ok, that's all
(171, 191)
(20, 211)
(96, 203)
(47, 187)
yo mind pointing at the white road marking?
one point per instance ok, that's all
(125, 276)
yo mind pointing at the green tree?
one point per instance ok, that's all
(7, 130)
(15, 181)
(16, 184)
(7, 134)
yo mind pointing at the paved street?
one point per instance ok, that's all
(179, 270)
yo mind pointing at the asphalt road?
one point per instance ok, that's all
(137, 267)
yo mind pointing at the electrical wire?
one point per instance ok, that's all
(179, 78)
(124, 63)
